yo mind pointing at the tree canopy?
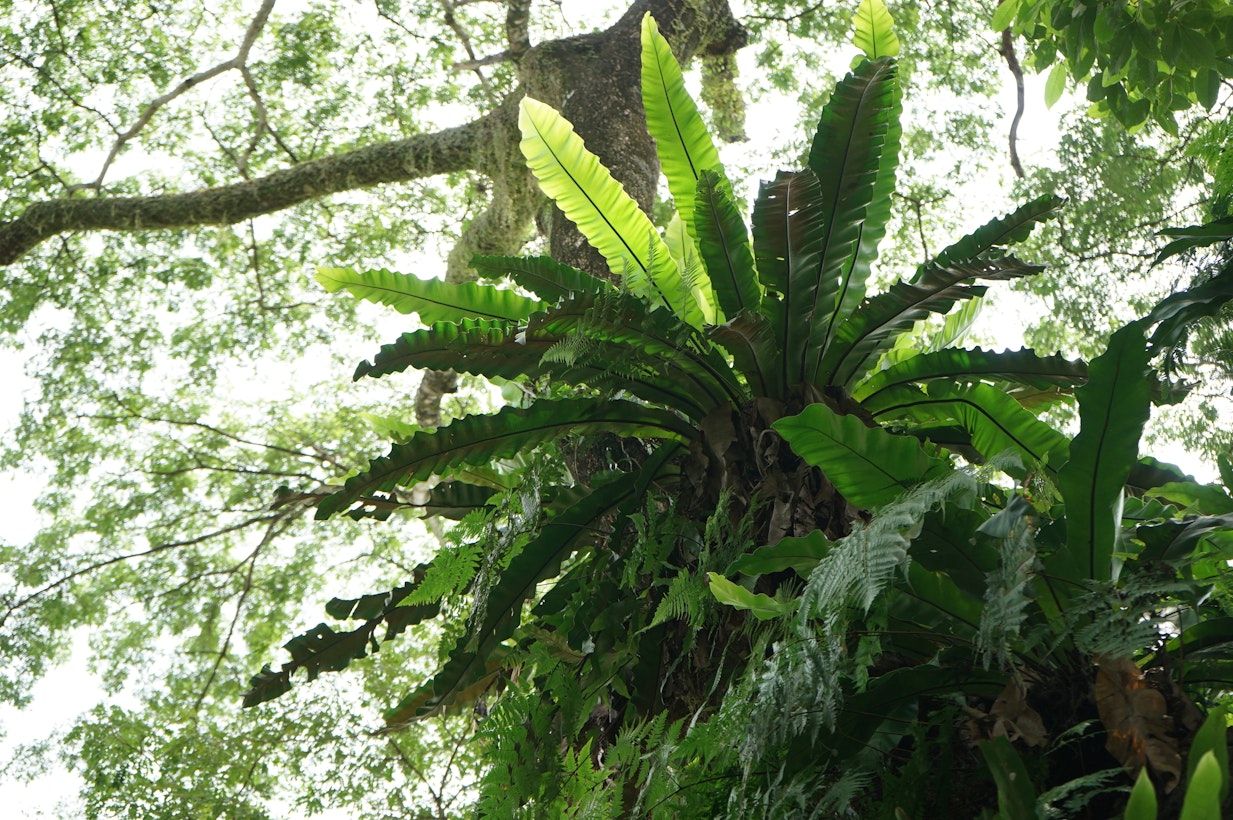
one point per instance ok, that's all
(176, 175)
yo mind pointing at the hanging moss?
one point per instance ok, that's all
(722, 95)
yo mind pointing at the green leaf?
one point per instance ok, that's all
(432, 299)
(724, 245)
(481, 439)
(682, 140)
(763, 607)
(1005, 14)
(1207, 84)
(1016, 797)
(640, 343)
(1142, 802)
(868, 465)
(996, 233)
(1212, 738)
(321, 649)
(994, 420)
(932, 599)
(875, 30)
(1055, 85)
(1020, 367)
(1195, 236)
(1113, 407)
(478, 346)
(1203, 789)
(800, 555)
(854, 155)
(789, 232)
(879, 321)
(542, 275)
(606, 215)
(574, 528)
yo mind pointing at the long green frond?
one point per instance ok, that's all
(682, 140)
(724, 245)
(1113, 407)
(632, 333)
(1021, 367)
(854, 155)
(606, 215)
(432, 299)
(878, 321)
(789, 237)
(481, 439)
(542, 275)
(994, 420)
(1000, 232)
(868, 465)
(482, 347)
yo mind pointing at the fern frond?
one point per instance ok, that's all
(1007, 592)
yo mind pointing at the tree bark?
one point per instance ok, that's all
(592, 78)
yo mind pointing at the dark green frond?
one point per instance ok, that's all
(321, 649)
(854, 154)
(724, 245)
(574, 528)
(478, 346)
(789, 236)
(994, 420)
(1018, 367)
(547, 278)
(1113, 407)
(877, 322)
(996, 233)
(481, 439)
(626, 331)
(868, 465)
(749, 340)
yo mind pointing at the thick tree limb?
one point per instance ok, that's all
(422, 155)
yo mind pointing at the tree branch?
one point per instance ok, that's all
(239, 61)
(422, 155)
(1012, 62)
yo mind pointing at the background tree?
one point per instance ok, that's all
(248, 108)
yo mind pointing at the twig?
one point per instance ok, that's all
(450, 20)
(157, 548)
(239, 61)
(1012, 62)
(277, 527)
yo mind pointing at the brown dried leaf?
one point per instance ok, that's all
(1015, 718)
(1137, 719)
(1010, 717)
